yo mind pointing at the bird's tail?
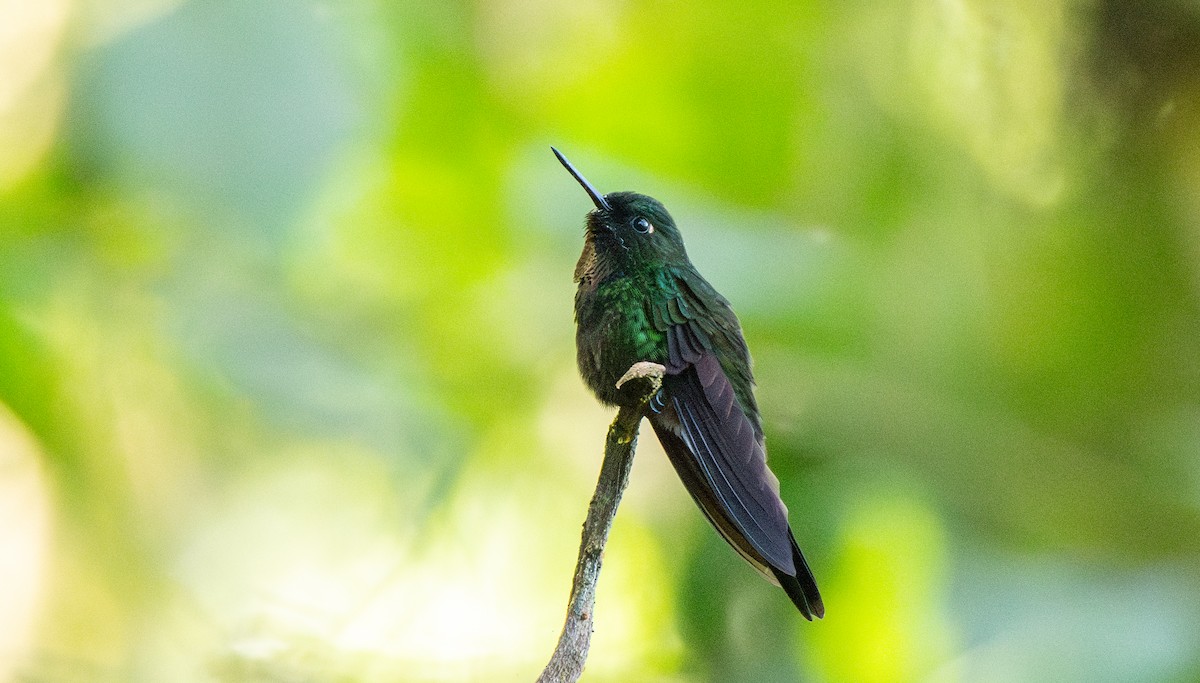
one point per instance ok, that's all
(801, 588)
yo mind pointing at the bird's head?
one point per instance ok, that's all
(627, 229)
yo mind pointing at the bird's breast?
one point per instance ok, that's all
(613, 331)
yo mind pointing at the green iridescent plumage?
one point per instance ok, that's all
(641, 299)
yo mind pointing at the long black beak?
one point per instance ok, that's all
(597, 198)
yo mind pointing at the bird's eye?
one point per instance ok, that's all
(643, 226)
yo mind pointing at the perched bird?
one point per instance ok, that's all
(641, 299)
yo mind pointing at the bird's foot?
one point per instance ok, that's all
(643, 370)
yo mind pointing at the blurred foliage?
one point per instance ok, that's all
(287, 384)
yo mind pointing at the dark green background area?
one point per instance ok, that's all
(287, 378)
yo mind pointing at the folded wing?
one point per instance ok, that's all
(716, 445)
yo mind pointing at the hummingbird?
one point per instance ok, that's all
(640, 299)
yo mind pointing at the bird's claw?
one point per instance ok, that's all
(643, 370)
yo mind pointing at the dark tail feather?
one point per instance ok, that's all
(802, 588)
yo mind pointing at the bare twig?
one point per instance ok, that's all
(566, 664)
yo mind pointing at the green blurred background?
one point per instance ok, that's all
(287, 378)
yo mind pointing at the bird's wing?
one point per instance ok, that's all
(730, 458)
(712, 326)
(711, 433)
(722, 463)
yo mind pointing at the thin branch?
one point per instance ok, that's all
(566, 664)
